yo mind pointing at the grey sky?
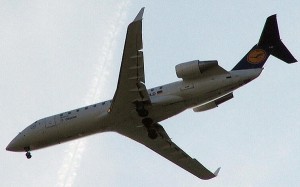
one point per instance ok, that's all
(60, 55)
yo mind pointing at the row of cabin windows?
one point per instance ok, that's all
(77, 110)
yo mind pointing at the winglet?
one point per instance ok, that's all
(217, 171)
(139, 15)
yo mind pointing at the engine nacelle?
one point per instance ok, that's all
(193, 68)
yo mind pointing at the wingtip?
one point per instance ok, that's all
(273, 16)
(139, 15)
(217, 171)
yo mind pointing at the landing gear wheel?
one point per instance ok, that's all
(140, 108)
(28, 155)
(152, 134)
(147, 122)
(143, 112)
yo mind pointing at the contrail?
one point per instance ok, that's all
(73, 155)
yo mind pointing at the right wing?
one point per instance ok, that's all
(168, 149)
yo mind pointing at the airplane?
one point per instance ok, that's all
(136, 112)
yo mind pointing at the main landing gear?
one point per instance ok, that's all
(152, 133)
(28, 154)
(142, 111)
(148, 122)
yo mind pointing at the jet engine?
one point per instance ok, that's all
(192, 69)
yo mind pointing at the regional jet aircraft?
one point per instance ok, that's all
(136, 111)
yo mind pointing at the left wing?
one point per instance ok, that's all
(166, 148)
(131, 83)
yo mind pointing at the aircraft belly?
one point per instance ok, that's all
(162, 112)
(68, 130)
(82, 127)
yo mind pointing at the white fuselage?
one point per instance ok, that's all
(166, 101)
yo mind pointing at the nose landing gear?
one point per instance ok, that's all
(28, 154)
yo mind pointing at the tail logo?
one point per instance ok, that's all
(256, 56)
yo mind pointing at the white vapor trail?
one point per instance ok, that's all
(73, 155)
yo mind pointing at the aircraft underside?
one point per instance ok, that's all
(136, 112)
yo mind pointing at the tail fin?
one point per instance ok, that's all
(269, 44)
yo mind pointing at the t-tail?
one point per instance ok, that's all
(269, 44)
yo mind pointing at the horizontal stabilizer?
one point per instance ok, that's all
(270, 38)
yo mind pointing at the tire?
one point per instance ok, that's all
(152, 134)
(28, 155)
(147, 122)
(143, 113)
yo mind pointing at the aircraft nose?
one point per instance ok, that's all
(9, 147)
(15, 145)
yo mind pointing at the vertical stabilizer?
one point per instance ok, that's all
(269, 44)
